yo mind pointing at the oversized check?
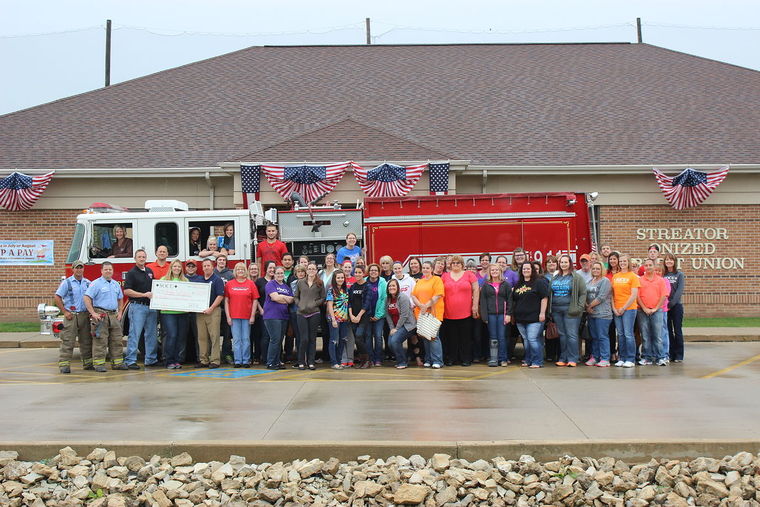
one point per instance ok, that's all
(180, 296)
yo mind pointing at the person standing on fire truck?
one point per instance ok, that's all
(69, 298)
(105, 303)
(351, 251)
(160, 268)
(270, 250)
(137, 287)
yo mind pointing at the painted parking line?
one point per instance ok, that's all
(732, 367)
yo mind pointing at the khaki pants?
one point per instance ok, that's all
(106, 335)
(76, 328)
(208, 331)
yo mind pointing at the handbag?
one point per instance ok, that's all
(428, 326)
(552, 333)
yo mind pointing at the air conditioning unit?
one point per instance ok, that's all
(165, 205)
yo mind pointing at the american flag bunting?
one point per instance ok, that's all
(19, 191)
(690, 187)
(388, 180)
(311, 181)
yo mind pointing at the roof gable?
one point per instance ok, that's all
(344, 140)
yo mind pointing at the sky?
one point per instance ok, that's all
(53, 49)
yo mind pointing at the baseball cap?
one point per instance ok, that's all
(77, 264)
(190, 263)
(586, 256)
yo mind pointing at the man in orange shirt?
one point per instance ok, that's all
(161, 266)
(650, 298)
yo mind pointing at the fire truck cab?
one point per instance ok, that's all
(167, 223)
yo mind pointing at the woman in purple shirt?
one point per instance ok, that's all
(276, 314)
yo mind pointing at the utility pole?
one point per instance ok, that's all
(638, 30)
(108, 52)
(369, 32)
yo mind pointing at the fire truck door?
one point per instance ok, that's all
(166, 231)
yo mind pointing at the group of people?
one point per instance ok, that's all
(273, 311)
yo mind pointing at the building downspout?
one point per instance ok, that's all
(211, 190)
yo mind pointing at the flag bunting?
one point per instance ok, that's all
(388, 180)
(250, 179)
(439, 178)
(311, 181)
(19, 191)
(690, 187)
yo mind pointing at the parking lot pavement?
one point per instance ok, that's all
(711, 395)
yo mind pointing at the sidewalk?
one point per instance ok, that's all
(34, 340)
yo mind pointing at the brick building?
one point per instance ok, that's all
(511, 118)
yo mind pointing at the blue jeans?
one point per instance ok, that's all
(374, 340)
(665, 351)
(497, 332)
(175, 328)
(568, 335)
(433, 351)
(396, 341)
(534, 344)
(241, 341)
(337, 341)
(276, 329)
(626, 340)
(600, 338)
(142, 318)
(651, 335)
(675, 321)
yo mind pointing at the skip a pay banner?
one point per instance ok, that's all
(26, 253)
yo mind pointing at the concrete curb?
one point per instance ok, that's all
(632, 451)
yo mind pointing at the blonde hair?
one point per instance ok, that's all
(168, 275)
(489, 279)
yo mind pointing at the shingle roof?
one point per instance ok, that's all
(501, 104)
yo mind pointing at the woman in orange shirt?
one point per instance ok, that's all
(625, 291)
(427, 297)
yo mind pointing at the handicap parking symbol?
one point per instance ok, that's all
(223, 373)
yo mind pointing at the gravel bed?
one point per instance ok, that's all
(104, 479)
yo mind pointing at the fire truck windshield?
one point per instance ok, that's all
(76, 244)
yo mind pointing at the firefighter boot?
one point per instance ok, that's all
(64, 367)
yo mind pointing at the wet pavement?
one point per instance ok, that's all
(713, 395)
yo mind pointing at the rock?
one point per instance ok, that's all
(116, 501)
(604, 478)
(270, 495)
(732, 477)
(161, 499)
(410, 494)
(611, 500)
(741, 460)
(7, 456)
(181, 460)
(663, 478)
(68, 457)
(673, 500)
(97, 454)
(367, 488)
(31, 478)
(416, 478)
(712, 488)
(331, 466)
(134, 463)
(109, 460)
(647, 493)
(15, 469)
(440, 462)
(172, 485)
(593, 492)
(228, 484)
(80, 482)
(312, 467)
(417, 461)
(562, 491)
(100, 481)
(118, 472)
(181, 502)
(448, 495)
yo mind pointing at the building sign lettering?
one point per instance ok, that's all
(696, 243)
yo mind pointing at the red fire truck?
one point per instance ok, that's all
(426, 227)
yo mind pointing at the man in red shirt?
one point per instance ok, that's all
(650, 298)
(270, 250)
(161, 267)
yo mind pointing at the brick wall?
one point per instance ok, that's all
(719, 256)
(22, 288)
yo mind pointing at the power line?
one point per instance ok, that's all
(63, 32)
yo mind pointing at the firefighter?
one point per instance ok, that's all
(105, 303)
(69, 298)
